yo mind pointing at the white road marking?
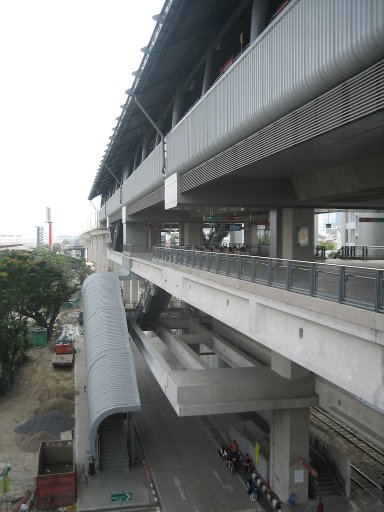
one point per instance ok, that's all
(178, 485)
(224, 486)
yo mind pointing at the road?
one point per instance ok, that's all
(183, 456)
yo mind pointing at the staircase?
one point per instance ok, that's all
(217, 236)
(117, 237)
(327, 482)
(113, 447)
(153, 302)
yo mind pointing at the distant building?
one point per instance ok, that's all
(364, 228)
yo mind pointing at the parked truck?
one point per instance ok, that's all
(64, 352)
(56, 477)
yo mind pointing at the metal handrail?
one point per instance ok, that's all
(352, 285)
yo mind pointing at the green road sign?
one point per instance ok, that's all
(121, 496)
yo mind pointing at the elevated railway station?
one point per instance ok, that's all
(248, 116)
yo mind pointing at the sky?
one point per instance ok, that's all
(65, 65)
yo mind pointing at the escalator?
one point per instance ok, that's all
(153, 302)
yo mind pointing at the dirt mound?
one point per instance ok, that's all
(53, 422)
(31, 443)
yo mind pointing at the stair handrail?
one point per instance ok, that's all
(323, 450)
(333, 466)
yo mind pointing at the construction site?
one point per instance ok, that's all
(39, 408)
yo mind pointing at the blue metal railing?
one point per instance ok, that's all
(356, 286)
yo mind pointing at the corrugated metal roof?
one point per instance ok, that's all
(111, 376)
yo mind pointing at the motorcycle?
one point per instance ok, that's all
(230, 458)
(252, 489)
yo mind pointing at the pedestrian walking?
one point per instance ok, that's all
(320, 505)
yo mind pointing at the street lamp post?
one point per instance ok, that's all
(162, 138)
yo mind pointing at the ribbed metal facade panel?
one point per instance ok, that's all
(111, 376)
(102, 215)
(114, 203)
(145, 178)
(155, 197)
(313, 46)
(354, 99)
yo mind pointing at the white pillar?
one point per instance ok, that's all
(136, 234)
(191, 233)
(289, 443)
(177, 105)
(236, 237)
(292, 234)
(208, 69)
(258, 17)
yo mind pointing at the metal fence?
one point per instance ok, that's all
(357, 286)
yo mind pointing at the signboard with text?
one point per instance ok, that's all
(121, 496)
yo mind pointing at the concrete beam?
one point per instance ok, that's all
(175, 321)
(254, 192)
(193, 339)
(337, 342)
(225, 390)
(234, 357)
(182, 351)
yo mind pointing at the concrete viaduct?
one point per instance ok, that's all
(256, 113)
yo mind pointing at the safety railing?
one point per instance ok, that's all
(356, 286)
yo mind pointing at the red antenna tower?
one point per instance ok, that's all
(49, 221)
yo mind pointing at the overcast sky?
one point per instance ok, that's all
(65, 65)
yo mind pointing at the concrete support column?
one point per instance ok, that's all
(191, 233)
(154, 238)
(258, 17)
(236, 237)
(145, 147)
(101, 253)
(159, 123)
(136, 161)
(124, 222)
(177, 105)
(134, 290)
(136, 234)
(126, 286)
(251, 238)
(289, 443)
(275, 231)
(208, 69)
(292, 233)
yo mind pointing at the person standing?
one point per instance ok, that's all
(248, 463)
(234, 447)
(320, 505)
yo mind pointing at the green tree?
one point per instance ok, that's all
(328, 245)
(13, 328)
(41, 282)
(56, 248)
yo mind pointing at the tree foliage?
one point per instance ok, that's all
(13, 328)
(34, 285)
(329, 245)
